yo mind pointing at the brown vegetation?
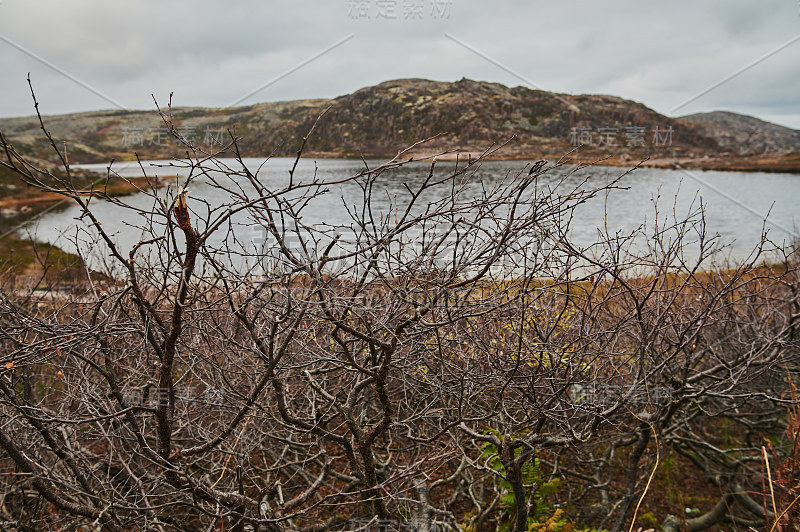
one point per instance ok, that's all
(454, 363)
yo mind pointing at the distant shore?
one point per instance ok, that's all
(31, 201)
(789, 163)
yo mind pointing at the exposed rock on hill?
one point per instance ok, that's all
(383, 119)
(745, 135)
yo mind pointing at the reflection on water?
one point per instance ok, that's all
(640, 197)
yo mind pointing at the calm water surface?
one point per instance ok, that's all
(736, 204)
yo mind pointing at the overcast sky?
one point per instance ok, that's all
(212, 53)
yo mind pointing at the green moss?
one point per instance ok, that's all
(648, 520)
(18, 254)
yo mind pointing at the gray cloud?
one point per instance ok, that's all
(210, 53)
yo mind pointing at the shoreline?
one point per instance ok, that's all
(771, 163)
(789, 164)
(20, 262)
(31, 202)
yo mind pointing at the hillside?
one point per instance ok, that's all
(380, 120)
(745, 135)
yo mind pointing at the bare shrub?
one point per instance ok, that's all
(451, 359)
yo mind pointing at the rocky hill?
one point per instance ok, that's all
(744, 134)
(381, 120)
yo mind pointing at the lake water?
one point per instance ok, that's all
(736, 204)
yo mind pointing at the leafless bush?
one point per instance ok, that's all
(438, 362)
